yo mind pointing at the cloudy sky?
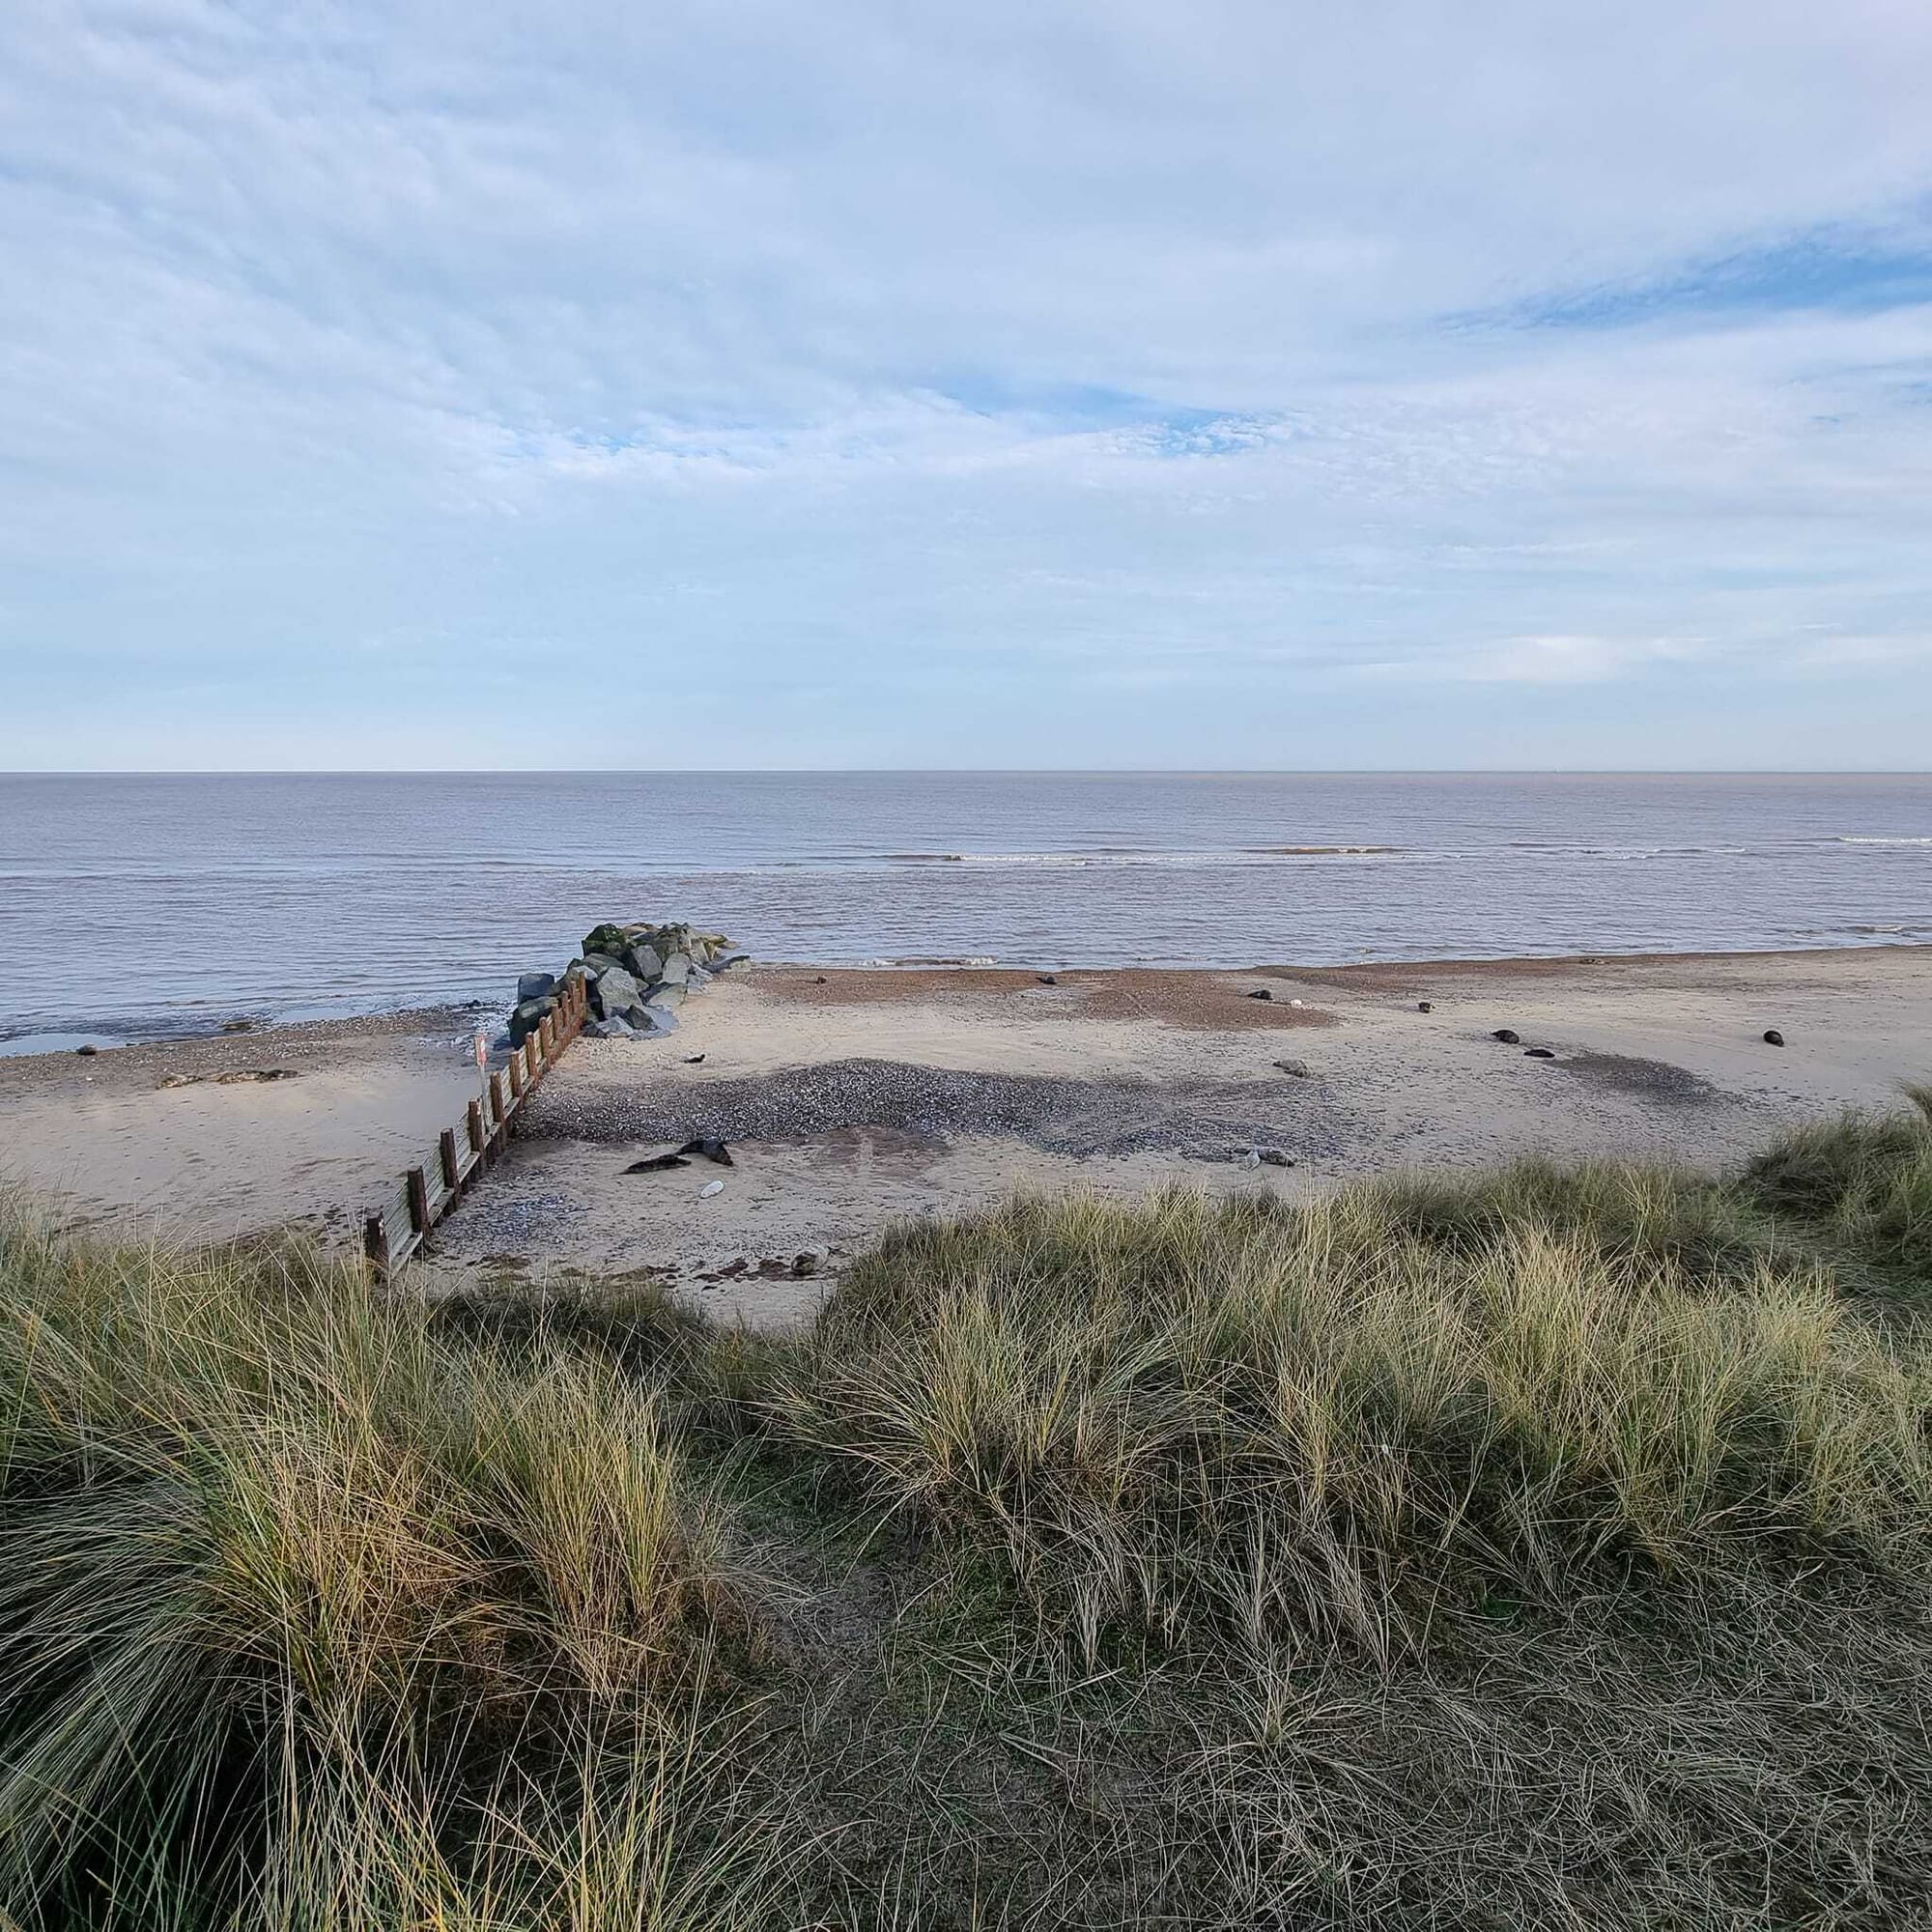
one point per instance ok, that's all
(754, 382)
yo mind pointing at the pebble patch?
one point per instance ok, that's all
(1649, 1079)
(1077, 1117)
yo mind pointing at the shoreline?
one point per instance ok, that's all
(488, 1012)
(857, 1097)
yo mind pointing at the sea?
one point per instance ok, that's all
(139, 906)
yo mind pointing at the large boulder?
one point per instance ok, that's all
(645, 961)
(676, 969)
(534, 985)
(529, 1015)
(605, 938)
(666, 993)
(615, 991)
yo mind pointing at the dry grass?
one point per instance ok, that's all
(1544, 1546)
(263, 1529)
(1283, 1427)
(1864, 1184)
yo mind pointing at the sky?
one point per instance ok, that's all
(745, 384)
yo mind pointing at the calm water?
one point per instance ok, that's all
(142, 905)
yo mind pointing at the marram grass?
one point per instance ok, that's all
(1545, 1547)
(1239, 1422)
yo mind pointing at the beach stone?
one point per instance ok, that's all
(534, 985)
(87, 1051)
(605, 938)
(1773, 1038)
(1508, 1036)
(615, 991)
(528, 1017)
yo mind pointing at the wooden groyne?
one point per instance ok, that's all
(423, 1195)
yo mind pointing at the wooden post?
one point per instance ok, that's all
(445, 1149)
(517, 1074)
(476, 1127)
(416, 1181)
(376, 1245)
(496, 1103)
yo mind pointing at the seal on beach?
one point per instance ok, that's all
(1538, 1053)
(1425, 1006)
(1506, 1035)
(1773, 1038)
(1260, 993)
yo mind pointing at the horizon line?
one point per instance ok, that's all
(962, 771)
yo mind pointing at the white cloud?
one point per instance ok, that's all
(1007, 354)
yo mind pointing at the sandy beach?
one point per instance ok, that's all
(185, 1139)
(853, 1097)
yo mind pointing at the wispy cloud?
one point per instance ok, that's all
(1835, 268)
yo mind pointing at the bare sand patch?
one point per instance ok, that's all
(190, 1140)
(1202, 1001)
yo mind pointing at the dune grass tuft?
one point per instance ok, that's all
(1311, 1425)
(1864, 1181)
(255, 1515)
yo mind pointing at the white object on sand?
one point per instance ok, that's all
(710, 1189)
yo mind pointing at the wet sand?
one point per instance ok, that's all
(854, 1097)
